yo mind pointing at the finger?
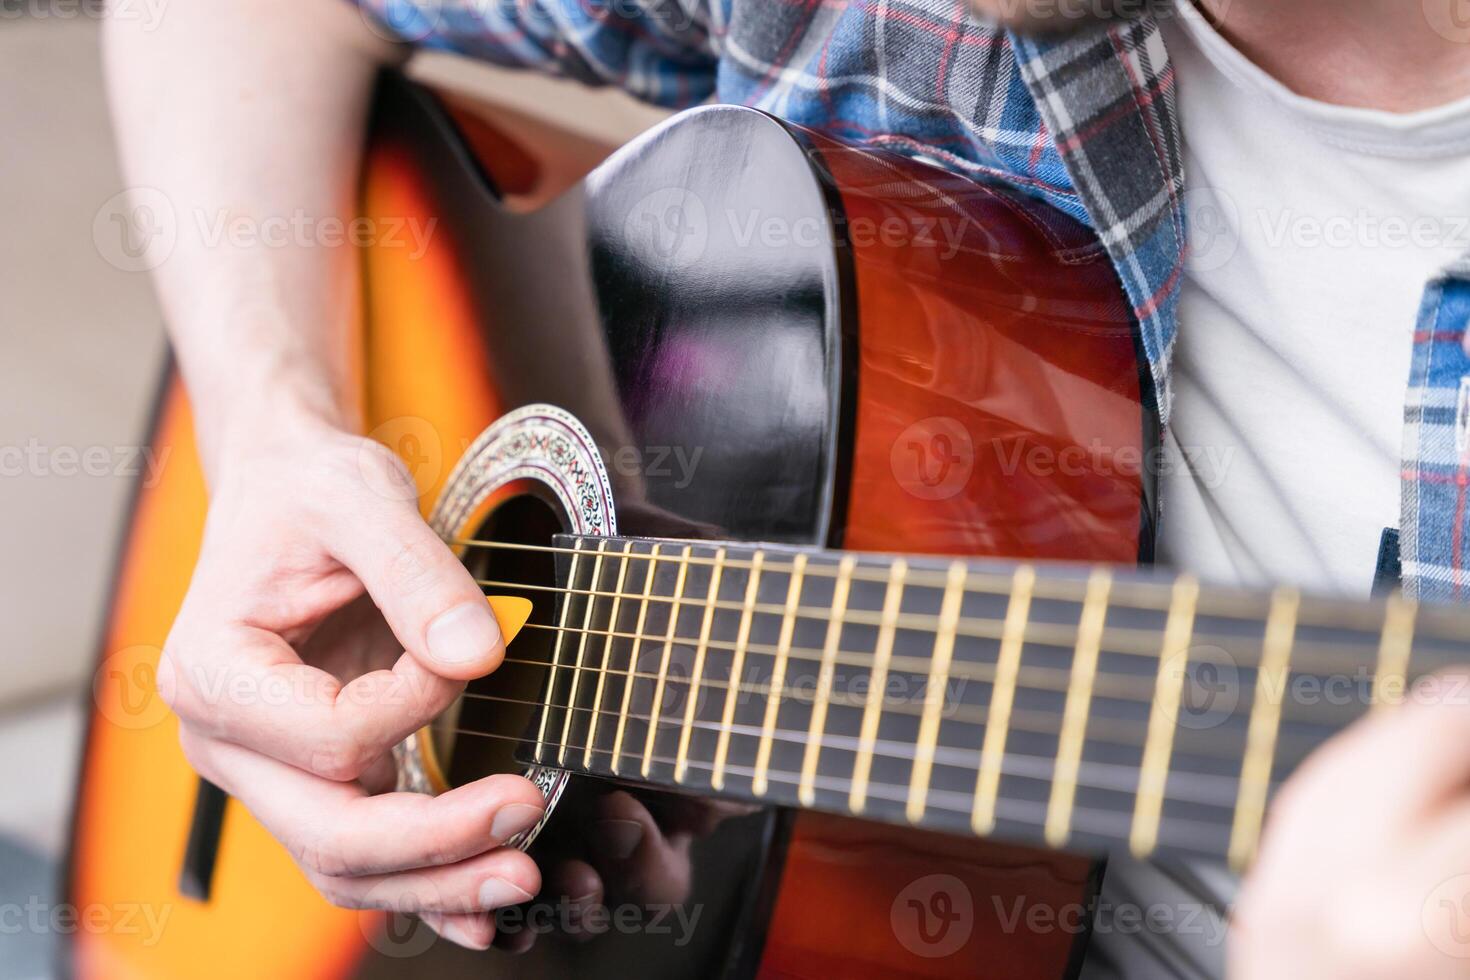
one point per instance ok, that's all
(379, 777)
(1435, 734)
(472, 930)
(576, 881)
(577, 887)
(1433, 876)
(573, 889)
(246, 685)
(336, 830)
(1379, 779)
(514, 937)
(1396, 764)
(427, 595)
(485, 882)
(632, 852)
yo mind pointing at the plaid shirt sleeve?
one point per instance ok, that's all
(657, 50)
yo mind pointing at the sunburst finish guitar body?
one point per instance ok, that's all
(726, 377)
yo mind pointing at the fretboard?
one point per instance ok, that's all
(1079, 707)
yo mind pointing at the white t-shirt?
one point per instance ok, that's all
(1314, 230)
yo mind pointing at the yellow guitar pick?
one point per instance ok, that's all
(511, 612)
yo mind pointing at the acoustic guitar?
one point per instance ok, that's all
(825, 479)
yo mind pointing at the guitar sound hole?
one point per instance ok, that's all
(481, 737)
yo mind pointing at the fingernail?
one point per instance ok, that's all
(619, 838)
(514, 818)
(452, 931)
(464, 634)
(497, 893)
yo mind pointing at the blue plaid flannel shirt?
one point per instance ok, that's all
(1087, 122)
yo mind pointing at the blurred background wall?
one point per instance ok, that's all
(81, 344)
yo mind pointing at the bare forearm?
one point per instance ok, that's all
(247, 118)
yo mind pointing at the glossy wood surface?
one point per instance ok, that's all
(863, 900)
(999, 410)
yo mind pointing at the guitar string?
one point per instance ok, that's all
(992, 583)
(961, 713)
(1125, 687)
(1109, 824)
(1223, 794)
(967, 625)
(1308, 657)
(1144, 596)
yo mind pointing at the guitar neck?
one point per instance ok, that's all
(1079, 707)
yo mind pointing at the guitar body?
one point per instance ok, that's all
(772, 337)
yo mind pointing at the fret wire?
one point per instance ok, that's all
(1394, 650)
(1141, 595)
(663, 667)
(617, 753)
(566, 724)
(887, 749)
(1124, 687)
(1265, 720)
(1158, 746)
(778, 675)
(840, 589)
(1035, 722)
(878, 682)
(1002, 697)
(612, 624)
(680, 763)
(1076, 710)
(949, 616)
(737, 664)
(555, 662)
(1323, 659)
